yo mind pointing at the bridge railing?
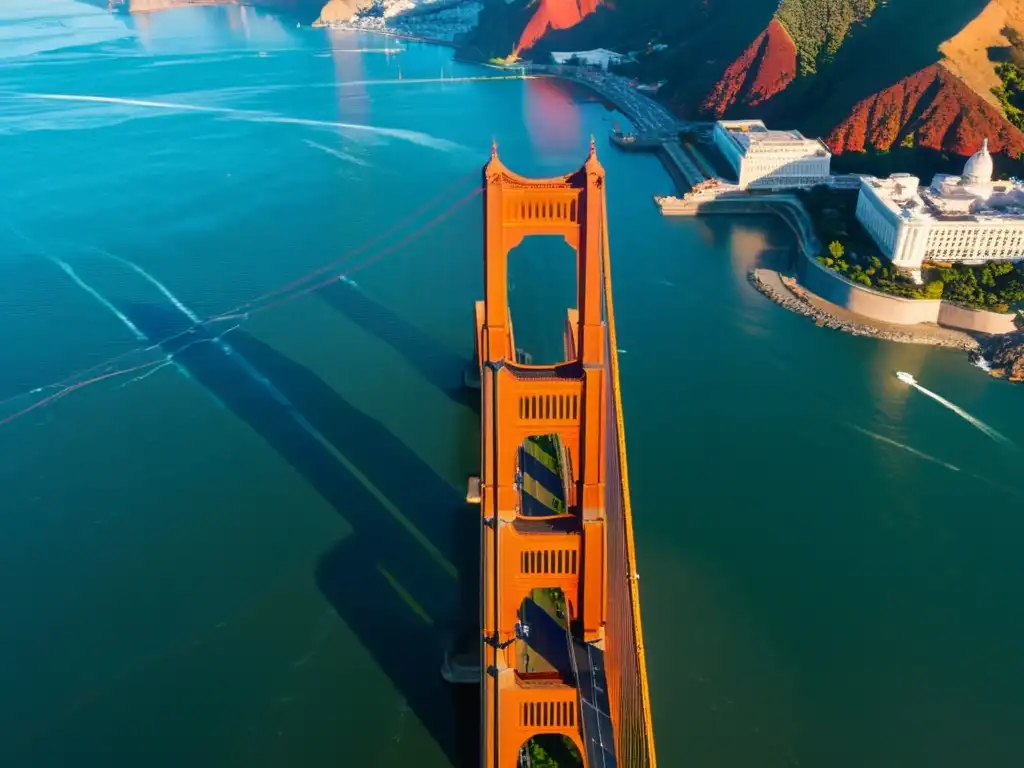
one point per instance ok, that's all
(625, 660)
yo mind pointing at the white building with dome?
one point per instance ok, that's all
(968, 218)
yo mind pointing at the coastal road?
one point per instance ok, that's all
(647, 115)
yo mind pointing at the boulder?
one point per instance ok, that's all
(1006, 356)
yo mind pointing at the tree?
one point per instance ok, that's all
(539, 757)
(836, 249)
(1000, 268)
(1016, 52)
(988, 278)
(934, 289)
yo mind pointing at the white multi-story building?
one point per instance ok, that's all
(966, 218)
(765, 159)
(599, 57)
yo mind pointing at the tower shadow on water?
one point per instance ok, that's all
(436, 363)
(393, 581)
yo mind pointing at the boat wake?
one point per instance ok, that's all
(980, 362)
(415, 137)
(344, 156)
(198, 59)
(907, 448)
(909, 379)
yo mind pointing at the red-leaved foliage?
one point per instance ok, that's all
(941, 112)
(554, 14)
(764, 68)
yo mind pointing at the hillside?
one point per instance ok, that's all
(342, 10)
(973, 53)
(873, 76)
(870, 76)
(553, 14)
(930, 109)
(820, 27)
(764, 69)
(869, 86)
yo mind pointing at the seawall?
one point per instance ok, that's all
(829, 285)
(788, 294)
(875, 305)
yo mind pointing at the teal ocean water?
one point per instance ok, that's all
(256, 554)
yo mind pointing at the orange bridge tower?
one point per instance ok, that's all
(568, 401)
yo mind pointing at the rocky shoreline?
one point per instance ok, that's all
(791, 301)
(1005, 355)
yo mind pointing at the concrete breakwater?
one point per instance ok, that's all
(928, 321)
(788, 296)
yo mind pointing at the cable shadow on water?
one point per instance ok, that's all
(393, 581)
(436, 363)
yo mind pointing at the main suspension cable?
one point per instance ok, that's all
(68, 388)
(238, 311)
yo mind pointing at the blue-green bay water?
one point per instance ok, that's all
(228, 565)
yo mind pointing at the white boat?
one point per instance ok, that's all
(905, 377)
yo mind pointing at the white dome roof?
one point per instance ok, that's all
(979, 168)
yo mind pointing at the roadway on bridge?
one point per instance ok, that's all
(543, 492)
(543, 495)
(551, 647)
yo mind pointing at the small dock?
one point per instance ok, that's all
(681, 167)
(631, 142)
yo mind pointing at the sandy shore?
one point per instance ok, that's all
(786, 292)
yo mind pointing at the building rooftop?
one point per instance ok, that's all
(950, 198)
(754, 136)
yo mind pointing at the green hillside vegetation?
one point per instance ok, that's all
(874, 273)
(851, 252)
(1011, 72)
(848, 50)
(896, 40)
(995, 286)
(819, 27)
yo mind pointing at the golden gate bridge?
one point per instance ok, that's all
(567, 417)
